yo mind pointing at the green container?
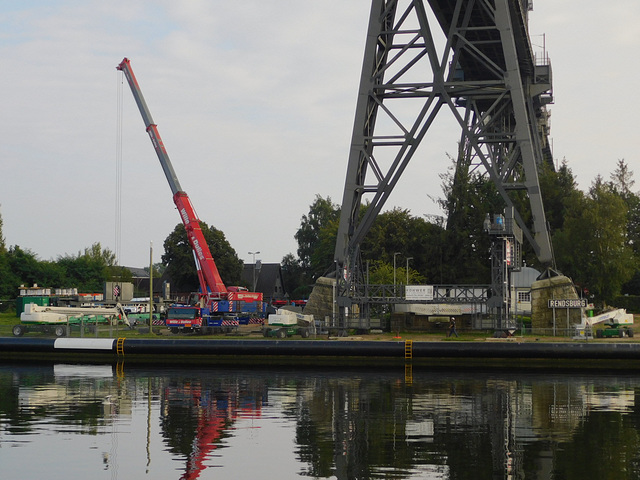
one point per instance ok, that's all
(22, 301)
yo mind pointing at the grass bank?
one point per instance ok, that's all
(8, 320)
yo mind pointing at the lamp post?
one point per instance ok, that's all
(254, 269)
(394, 272)
(408, 258)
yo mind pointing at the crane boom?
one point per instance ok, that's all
(209, 277)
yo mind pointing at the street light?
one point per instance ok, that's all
(254, 269)
(408, 258)
(394, 272)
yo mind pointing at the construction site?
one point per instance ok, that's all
(487, 76)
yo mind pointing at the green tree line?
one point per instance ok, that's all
(87, 270)
(596, 235)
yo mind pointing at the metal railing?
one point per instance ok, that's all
(381, 294)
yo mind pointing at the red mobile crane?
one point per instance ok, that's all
(212, 287)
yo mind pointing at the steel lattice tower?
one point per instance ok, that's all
(471, 58)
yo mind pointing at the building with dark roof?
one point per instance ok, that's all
(268, 280)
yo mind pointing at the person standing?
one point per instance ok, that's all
(452, 327)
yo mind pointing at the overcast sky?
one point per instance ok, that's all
(254, 101)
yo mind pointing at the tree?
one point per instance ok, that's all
(381, 273)
(17, 268)
(6, 278)
(5, 272)
(622, 179)
(322, 257)
(622, 183)
(557, 189)
(397, 231)
(322, 213)
(294, 279)
(86, 271)
(180, 265)
(468, 197)
(24, 268)
(89, 270)
(592, 246)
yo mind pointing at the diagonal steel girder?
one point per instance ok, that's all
(483, 72)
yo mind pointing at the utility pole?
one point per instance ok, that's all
(254, 269)
(394, 272)
(408, 258)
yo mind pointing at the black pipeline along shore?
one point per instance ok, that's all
(589, 354)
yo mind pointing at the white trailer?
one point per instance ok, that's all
(56, 319)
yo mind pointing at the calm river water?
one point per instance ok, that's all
(63, 421)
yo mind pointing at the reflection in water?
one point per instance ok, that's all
(261, 423)
(197, 415)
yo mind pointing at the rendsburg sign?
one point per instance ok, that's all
(568, 303)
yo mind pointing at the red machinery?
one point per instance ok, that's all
(211, 284)
(216, 410)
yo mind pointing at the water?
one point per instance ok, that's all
(108, 422)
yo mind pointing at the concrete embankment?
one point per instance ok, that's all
(320, 351)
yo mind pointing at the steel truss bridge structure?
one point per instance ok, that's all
(471, 58)
(452, 294)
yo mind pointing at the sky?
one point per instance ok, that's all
(255, 102)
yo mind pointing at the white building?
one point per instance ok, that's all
(521, 282)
